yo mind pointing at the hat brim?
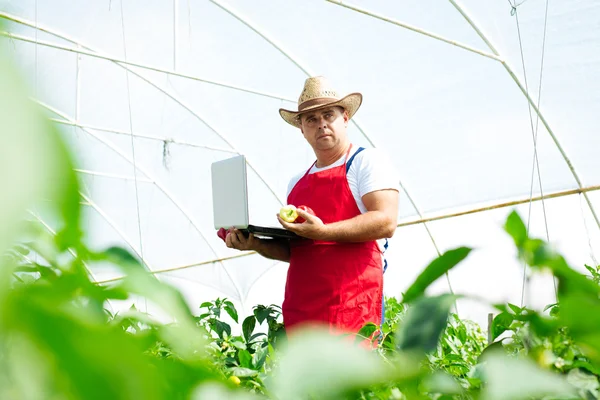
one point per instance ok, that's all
(351, 103)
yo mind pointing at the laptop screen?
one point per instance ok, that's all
(230, 193)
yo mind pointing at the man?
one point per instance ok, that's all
(335, 275)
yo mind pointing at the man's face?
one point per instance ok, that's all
(324, 129)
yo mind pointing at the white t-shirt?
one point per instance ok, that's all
(370, 170)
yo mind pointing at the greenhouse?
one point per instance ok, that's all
(487, 112)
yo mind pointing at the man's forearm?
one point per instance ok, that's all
(371, 225)
(275, 249)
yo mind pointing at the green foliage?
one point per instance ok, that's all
(53, 315)
(595, 273)
(248, 356)
(459, 349)
(425, 321)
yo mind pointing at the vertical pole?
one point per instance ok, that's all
(77, 85)
(489, 328)
(175, 23)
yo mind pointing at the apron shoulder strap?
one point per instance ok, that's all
(349, 162)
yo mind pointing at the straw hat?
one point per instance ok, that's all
(318, 94)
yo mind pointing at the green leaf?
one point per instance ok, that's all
(114, 293)
(320, 365)
(389, 342)
(121, 257)
(230, 309)
(436, 269)
(516, 228)
(452, 346)
(587, 366)
(510, 378)
(537, 253)
(259, 358)
(206, 304)
(501, 323)
(261, 313)
(592, 271)
(583, 380)
(549, 306)
(491, 348)
(202, 317)
(569, 280)
(186, 338)
(257, 335)
(425, 321)
(29, 268)
(222, 327)
(440, 382)
(248, 327)
(245, 359)
(216, 311)
(365, 332)
(22, 250)
(580, 313)
(238, 343)
(134, 316)
(516, 309)
(86, 352)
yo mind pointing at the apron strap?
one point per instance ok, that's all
(349, 162)
(385, 265)
(385, 247)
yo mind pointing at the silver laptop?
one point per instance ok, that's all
(230, 200)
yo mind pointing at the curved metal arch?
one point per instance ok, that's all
(354, 120)
(53, 233)
(156, 183)
(198, 283)
(267, 270)
(95, 54)
(415, 29)
(173, 97)
(187, 266)
(461, 9)
(143, 136)
(114, 176)
(113, 225)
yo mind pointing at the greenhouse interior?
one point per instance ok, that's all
(487, 112)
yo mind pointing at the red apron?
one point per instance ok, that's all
(331, 283)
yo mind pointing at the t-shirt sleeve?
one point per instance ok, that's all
(375, 171)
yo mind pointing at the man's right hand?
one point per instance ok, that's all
(269, 248)
(235, 239)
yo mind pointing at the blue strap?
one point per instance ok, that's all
(349, 162)
(382, 311)
(385, 247)
(385, 265)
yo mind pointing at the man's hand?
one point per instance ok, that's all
(235, 239)
(312, 228)
(269, 248)
(378, 222)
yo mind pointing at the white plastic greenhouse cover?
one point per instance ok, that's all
(150, 93)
